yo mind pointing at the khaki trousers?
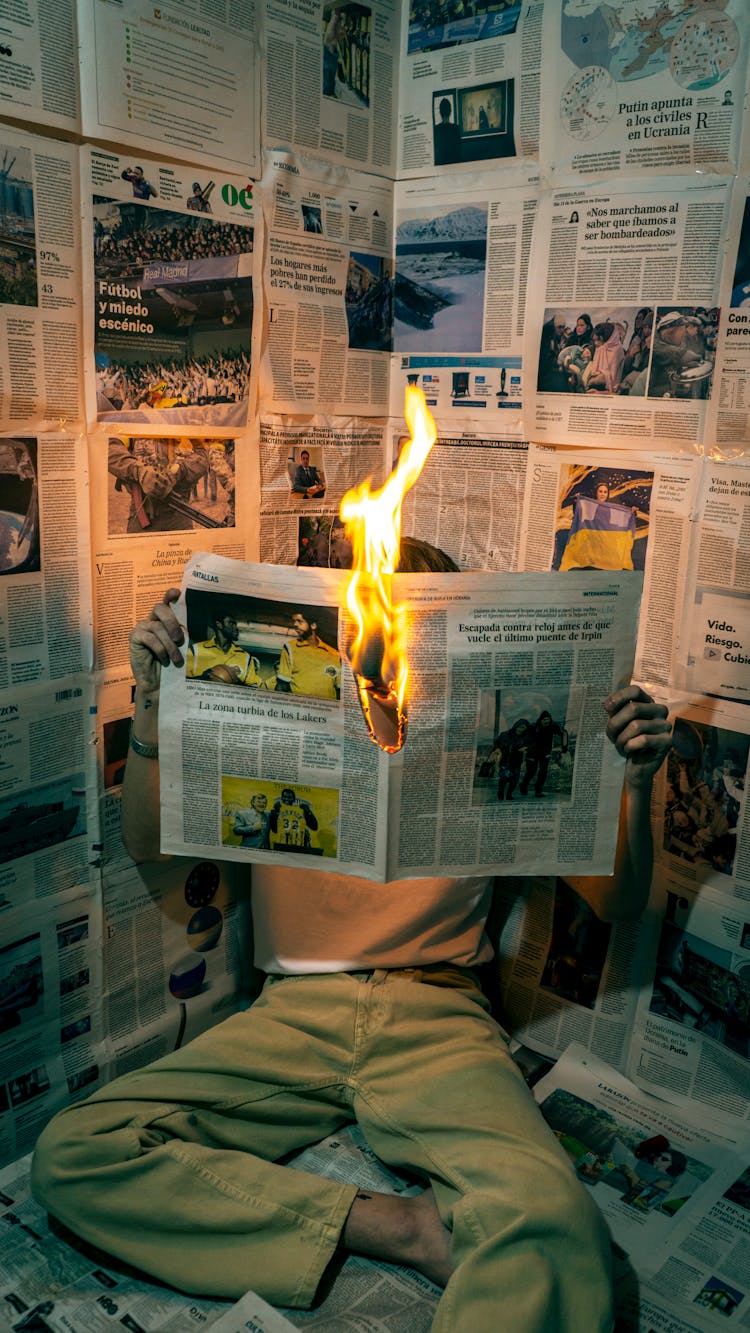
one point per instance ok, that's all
(174, 1168)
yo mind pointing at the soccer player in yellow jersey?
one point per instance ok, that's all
(307, 664)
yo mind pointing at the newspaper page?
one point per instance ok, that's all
(495, 663)
(462, 255)
(656, 1175)
(633, 87)
(564, 975)
(331, 80)
(162, 497)
(39, 69)
(691, 1039)
(306, 466)
(706, 1278)
(329, 287)
(45, 597)
(629, 269)
(171, 957)
(168, 294)
(605, 510)
(699, 804)
(730, 407)
(470, 86)
(715, 638)
(51, 1281)
(469, 500)
(179, 78)
(49, 838)
(50, 1015)
(40, 281)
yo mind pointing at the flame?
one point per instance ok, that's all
(377, 651)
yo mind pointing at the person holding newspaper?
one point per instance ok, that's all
(372, 1012)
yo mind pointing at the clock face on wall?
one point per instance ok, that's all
(201, 884)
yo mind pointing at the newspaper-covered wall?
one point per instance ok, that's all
(453, 196)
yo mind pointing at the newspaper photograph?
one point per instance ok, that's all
(657, 86)
(495, 665)
(163, 498)
(691, 1040)
(329, 283)
(49, 837)
(50, 1014)
(715, 637)
(40, 280)
(699, 805)
(564, 975)
(307, 464)
(168, 293)
(172, 964)
(45, 600)
(655, 1174)
(180, 79)
(622, 346)
(331, 81)
(470, 85)
(600, 509)
(462, 254)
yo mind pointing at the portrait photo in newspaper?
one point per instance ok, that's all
(602, 518)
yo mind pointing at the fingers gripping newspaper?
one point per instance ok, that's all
(265, 755)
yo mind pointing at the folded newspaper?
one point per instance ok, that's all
(506, 769)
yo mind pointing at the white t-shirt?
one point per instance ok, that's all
(316, 921)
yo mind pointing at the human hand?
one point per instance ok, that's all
(639, 730)
(154, 643)
(155, 484)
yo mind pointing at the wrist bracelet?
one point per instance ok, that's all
(140, 747)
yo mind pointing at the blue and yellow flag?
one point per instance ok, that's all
(601, 536)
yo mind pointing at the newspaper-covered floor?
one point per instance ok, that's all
(675, 1195)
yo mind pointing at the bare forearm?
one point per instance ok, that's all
(640, 731)
(622, 896)
(140, 810)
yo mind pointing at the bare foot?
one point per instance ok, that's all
(400, 1231)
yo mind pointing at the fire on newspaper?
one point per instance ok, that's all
(377, 650)
(268, 760)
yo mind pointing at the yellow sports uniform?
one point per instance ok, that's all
(310, 668)
(202, 657)
(291, 827)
